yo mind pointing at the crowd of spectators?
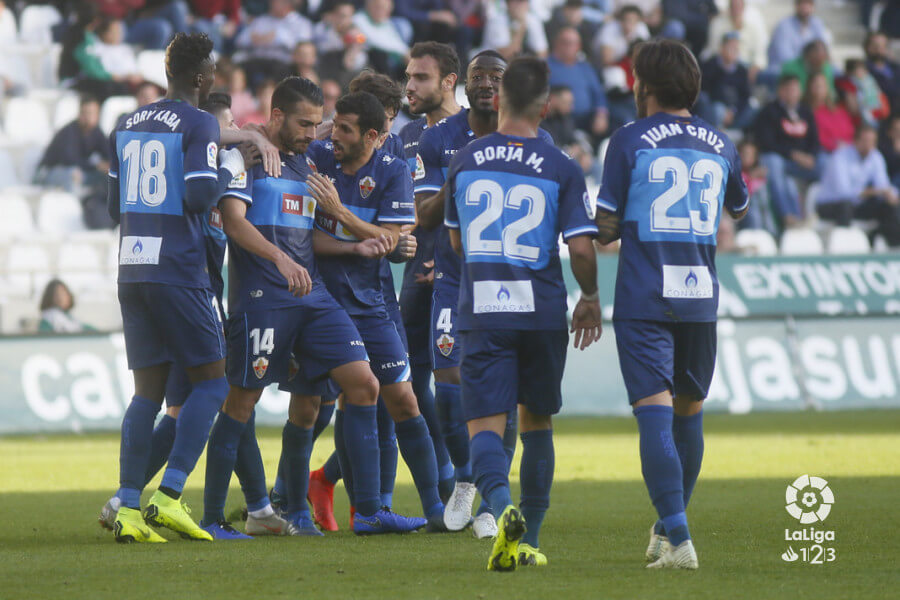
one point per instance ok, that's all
(779, 92)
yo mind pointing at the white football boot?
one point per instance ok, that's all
(682, 556)
(484, 526)
(458, 512)
(657, 546)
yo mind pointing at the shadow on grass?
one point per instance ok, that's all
(594, 535)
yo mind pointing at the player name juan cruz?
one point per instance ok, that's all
(662, 131)
(809, 535)
(163, 116)
(509, 154)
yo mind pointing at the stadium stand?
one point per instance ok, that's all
(34, 104)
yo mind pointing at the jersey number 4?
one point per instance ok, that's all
(508, 244)
(145, 175)
(682, 177)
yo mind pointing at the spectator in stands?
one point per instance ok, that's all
(305, 60)
(79, 65)
(571, 14)
(243, 103)
(869, 105)
(331, 92)
(725, 97)
(793, 33)
(612, 42)
(341, 46)
(568, 68)
(725, 236)
(78, 155)
(430, 19)
(387, 37)
(786, 133)
(833, 121)
(755, 178)
(56, 307)
(885, 71)
(560, 124)
(148, 28)
(695, 16)
(266, 44)
(116, 57)
(753, 39)
(513, 28)
(263, 103)
(814, 59)
(857, 187)
(890, 149)
(889, 22)
(219, 19)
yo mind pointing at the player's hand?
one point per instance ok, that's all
(376, 247)
(322, 189)
(586, 323)
(271, 160)
(250, 153)
(426, 278)
(298, 280)
(407, 244)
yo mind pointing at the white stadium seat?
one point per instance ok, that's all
(801, 242)
(113, 108)
(27, 265)
(27, 121)
(152, 66)
(756, 242)
(59, 212)
(848, 240)
(80, 266)
(17, 220)
(35, 24)
(65, 111)
(8, 174)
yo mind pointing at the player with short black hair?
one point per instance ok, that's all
(172, 172)
(666, 179)
(365, 193)
(511, 194)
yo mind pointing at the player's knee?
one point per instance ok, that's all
(303, 410)
(687, 405)
(449, 375)
(173, 411)
(362, 390)
(529, 421)
(401, 401)
(239, 404)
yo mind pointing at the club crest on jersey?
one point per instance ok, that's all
(311, 165)
(366, 186)
(260, 366)
(420, 168)
(445, 344)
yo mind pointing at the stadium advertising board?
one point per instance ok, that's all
(81, 383)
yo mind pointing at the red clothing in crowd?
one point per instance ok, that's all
(118, 9)
(835, 126)
(208, 9)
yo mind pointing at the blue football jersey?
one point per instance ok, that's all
(409, 136)
(216, 242)
(153, 152)
(437, 146)
(284, 212)
(667, 178)
(379, 192)
(511, 198)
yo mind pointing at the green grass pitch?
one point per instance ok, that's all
(51, 489)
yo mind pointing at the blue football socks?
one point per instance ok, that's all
(688, 435)
(491, 471)
(510, 434)
(418, 452)
(360, 439)
(249, 468)
(221, 455)
(160, 446)
(448, 400)
(332, 467)
(538, 461)
(661, 468)
(296, 446)
(323, 419)
(134, 449)
(387, 445)
(192, 431)
(421, 381)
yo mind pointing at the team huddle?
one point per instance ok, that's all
(474, 202)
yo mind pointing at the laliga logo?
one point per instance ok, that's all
(503, 295)
(691, 280)
(137, 248)
(809, 499)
